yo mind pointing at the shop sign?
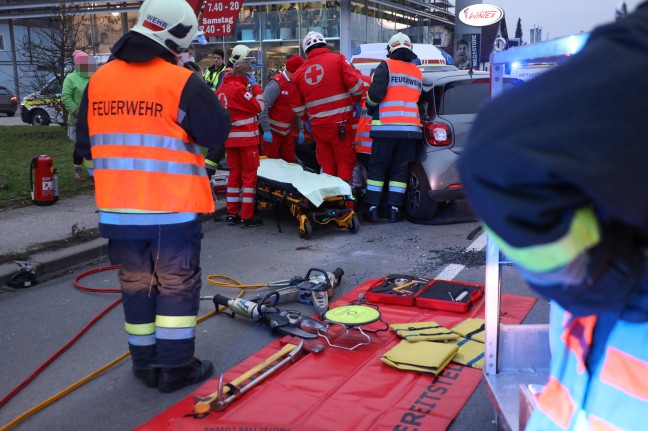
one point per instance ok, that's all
(481, 15)
(219, 17)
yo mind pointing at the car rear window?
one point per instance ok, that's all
(465, 97)
(3, 92)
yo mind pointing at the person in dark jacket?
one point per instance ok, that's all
(143, 119)
(213, 72)
(556, 170)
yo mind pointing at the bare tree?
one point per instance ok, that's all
(49, 43)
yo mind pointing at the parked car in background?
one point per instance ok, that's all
(8, 102)
(43, 107)
(449, 104)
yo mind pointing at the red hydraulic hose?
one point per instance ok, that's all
(74, 339)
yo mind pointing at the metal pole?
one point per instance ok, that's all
(345, 28)
(15, 59)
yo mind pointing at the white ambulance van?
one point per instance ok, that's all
(367, 56)
(529, 71)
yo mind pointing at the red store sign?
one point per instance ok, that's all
(219, 16)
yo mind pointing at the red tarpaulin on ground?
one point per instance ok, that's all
(340, 390)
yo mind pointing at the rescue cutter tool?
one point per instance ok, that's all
(287, 322)
(315, 288)
(216, 401)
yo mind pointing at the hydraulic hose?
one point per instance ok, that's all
(211, 279)
(56, 355)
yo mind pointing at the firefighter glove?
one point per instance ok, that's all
(251, 79)
(358, 110)
(300, 137)
(267, 136)
(307, 126)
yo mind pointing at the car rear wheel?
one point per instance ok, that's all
(40, 118)
(418, 206)
(10, 113)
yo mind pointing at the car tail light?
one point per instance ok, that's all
(438, 134)
(14, 100)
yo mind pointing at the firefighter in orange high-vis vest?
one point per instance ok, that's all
(328, 90)
(243, 98)
(143, 119)
(277, 117)
(392, 102)
(566, 201)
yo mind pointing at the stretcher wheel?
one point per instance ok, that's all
(355, 224)
(307, 232)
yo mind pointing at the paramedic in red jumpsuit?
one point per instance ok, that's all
(277, 117)
(243, 98)
(327, 88)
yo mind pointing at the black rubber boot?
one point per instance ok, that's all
(149, 376)
(372, 215)
(173, 379)
(393, 215)
(144, 359)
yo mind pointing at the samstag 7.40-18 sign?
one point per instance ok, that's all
(219, 16)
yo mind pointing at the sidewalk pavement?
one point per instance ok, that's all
(28, 229)
(25, 230)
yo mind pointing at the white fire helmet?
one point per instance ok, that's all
(312, 38)
(397, 41)
(171, 23)
(239, 52)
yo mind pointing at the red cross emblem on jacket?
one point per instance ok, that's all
(314, 74)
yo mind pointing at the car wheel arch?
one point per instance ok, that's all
(419, 206)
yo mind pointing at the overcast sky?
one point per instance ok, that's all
(558, 18)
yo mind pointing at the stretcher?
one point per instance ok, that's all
(312, 199)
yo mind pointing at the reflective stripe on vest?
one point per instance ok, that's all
(362, 140)
(144, 161)
(614, 396)
(398, 111)
(583, 234)
(245, 128)
(556, 403)
(212, 77)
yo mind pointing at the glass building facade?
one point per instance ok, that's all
(272, 29)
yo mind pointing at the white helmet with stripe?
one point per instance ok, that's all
(397, 41)
(312, 38)
(171, 23)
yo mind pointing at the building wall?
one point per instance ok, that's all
(273, 31)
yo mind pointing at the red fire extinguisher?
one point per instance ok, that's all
(43, 180)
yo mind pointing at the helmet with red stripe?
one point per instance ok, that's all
(171, 23)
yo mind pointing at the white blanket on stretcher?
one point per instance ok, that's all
(314, 187)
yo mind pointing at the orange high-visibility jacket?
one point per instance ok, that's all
(398, 111)
(144, 160)
(362, 140)
(607, 396)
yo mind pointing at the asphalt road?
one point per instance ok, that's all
(38, 321)
(15, 120)
(11, 121)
